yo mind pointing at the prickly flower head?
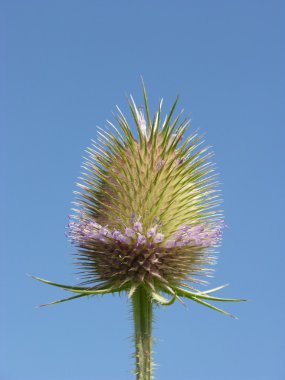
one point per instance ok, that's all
(146, 213)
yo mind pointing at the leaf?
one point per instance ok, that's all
(81, 290)
(196, 297)
(63, 300)
(162, 300)
(206, 291)
(98, 291)
(214, 289)
(187, 293)
(213, 307)
(67, 287)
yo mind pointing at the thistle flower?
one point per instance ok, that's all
(146, 220)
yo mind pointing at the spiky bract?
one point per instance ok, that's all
(146, 213)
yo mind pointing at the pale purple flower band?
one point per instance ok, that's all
(81, 232)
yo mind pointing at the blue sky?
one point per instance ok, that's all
(64, 66)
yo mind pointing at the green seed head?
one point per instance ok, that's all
(147, 207)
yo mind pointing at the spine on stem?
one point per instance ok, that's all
(142, 313)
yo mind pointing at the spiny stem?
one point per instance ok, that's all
(142, 311)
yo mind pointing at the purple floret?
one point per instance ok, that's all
(141, 239)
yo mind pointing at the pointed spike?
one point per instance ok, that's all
(132, 290)
(146, 103)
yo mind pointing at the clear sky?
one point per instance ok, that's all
(64, 66)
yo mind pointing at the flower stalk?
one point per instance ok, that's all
(142, 314)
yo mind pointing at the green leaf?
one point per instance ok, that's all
(202, 295)
(162, 300)
(81, 290)
(214, 289)
(213, 307)
(63, 300)
(206, 291)
(67, 287)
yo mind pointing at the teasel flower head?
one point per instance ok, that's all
(146, 210)
(146, 218)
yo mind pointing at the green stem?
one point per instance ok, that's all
(142, 311)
